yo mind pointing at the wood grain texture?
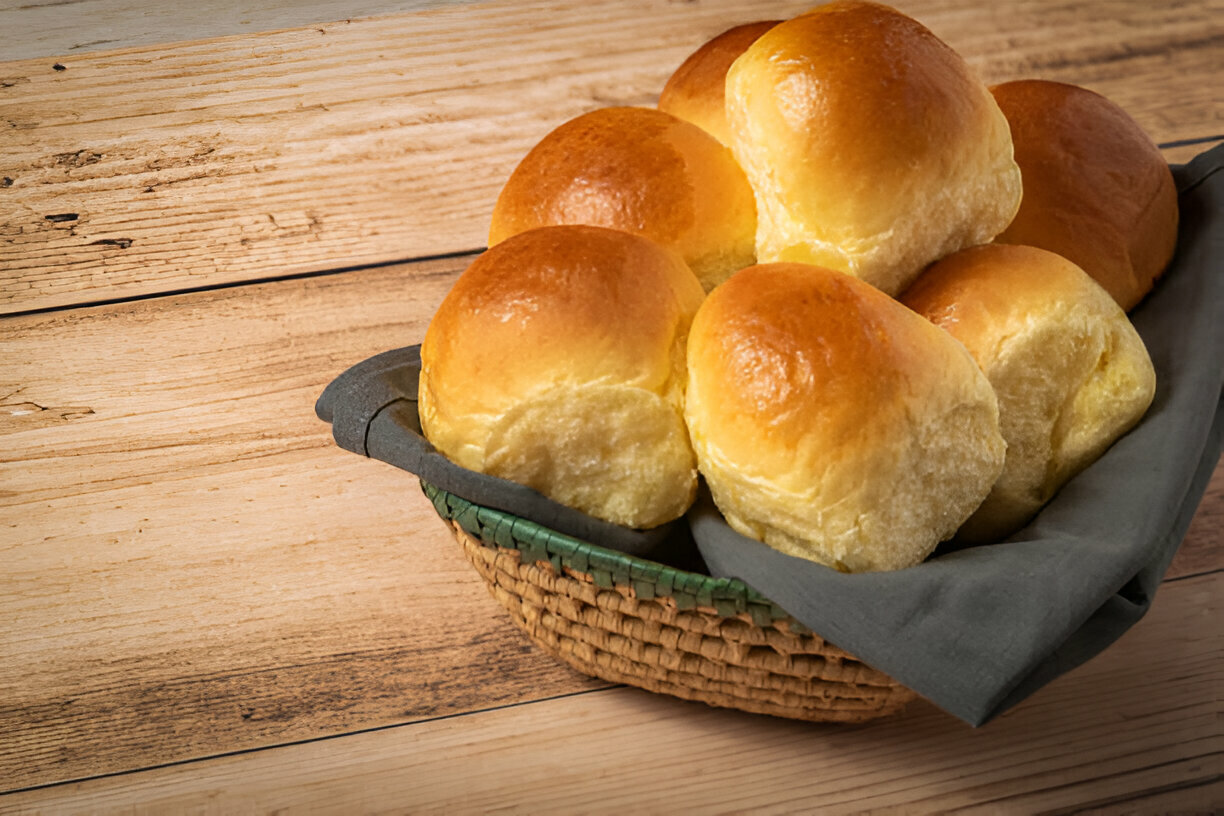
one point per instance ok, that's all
(164, 168)
(355, 142)
(192, 566)
(1180, 154)
(1202, 550)
(1137, 724)
(53, 28)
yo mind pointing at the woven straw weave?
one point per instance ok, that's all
(632, 621)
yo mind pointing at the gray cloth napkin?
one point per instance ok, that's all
(372, 408)
(979, 629)
(974, 630)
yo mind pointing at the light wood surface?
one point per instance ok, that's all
(233, 578)
(164, 168)
(72, 27)
(205, 606)
(1141, 726)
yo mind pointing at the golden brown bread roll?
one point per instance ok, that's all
(834, 424)
(696, 91)
(1096, 189)
(1070, 371)
(872, 147)
(557, 361)
(642, 171)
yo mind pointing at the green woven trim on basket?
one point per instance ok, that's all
(496, 528)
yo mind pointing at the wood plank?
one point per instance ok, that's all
(1202, 549)
(1137, 724)
(1204, 798)
(192, 566)
(242, 157)
(1180, 154)
(48, 29)
(163, 168)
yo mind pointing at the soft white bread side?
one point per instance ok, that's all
(834, 424)
(696, 92)
(642, 171)
(1096, 189)
(872, 147)
(557, 361)
(1070, 371)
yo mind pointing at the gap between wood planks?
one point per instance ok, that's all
(1113, 801)
(213, 287)
(340, 270)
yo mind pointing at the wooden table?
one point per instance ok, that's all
(206, 606)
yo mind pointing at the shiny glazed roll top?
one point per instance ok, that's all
(1069, 369)
(642, 171)
(696, 92)
(871, 146)
(1096, 188)
(834, 424)
(557, 361)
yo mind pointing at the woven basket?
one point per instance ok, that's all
(637, 622)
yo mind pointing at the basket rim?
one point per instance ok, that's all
(728, 597)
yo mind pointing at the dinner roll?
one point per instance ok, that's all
(557, 361)
(1096, 189)
(1069, 369)
(639, 170)
(872, 147)
(695, 92)
(834, 424)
